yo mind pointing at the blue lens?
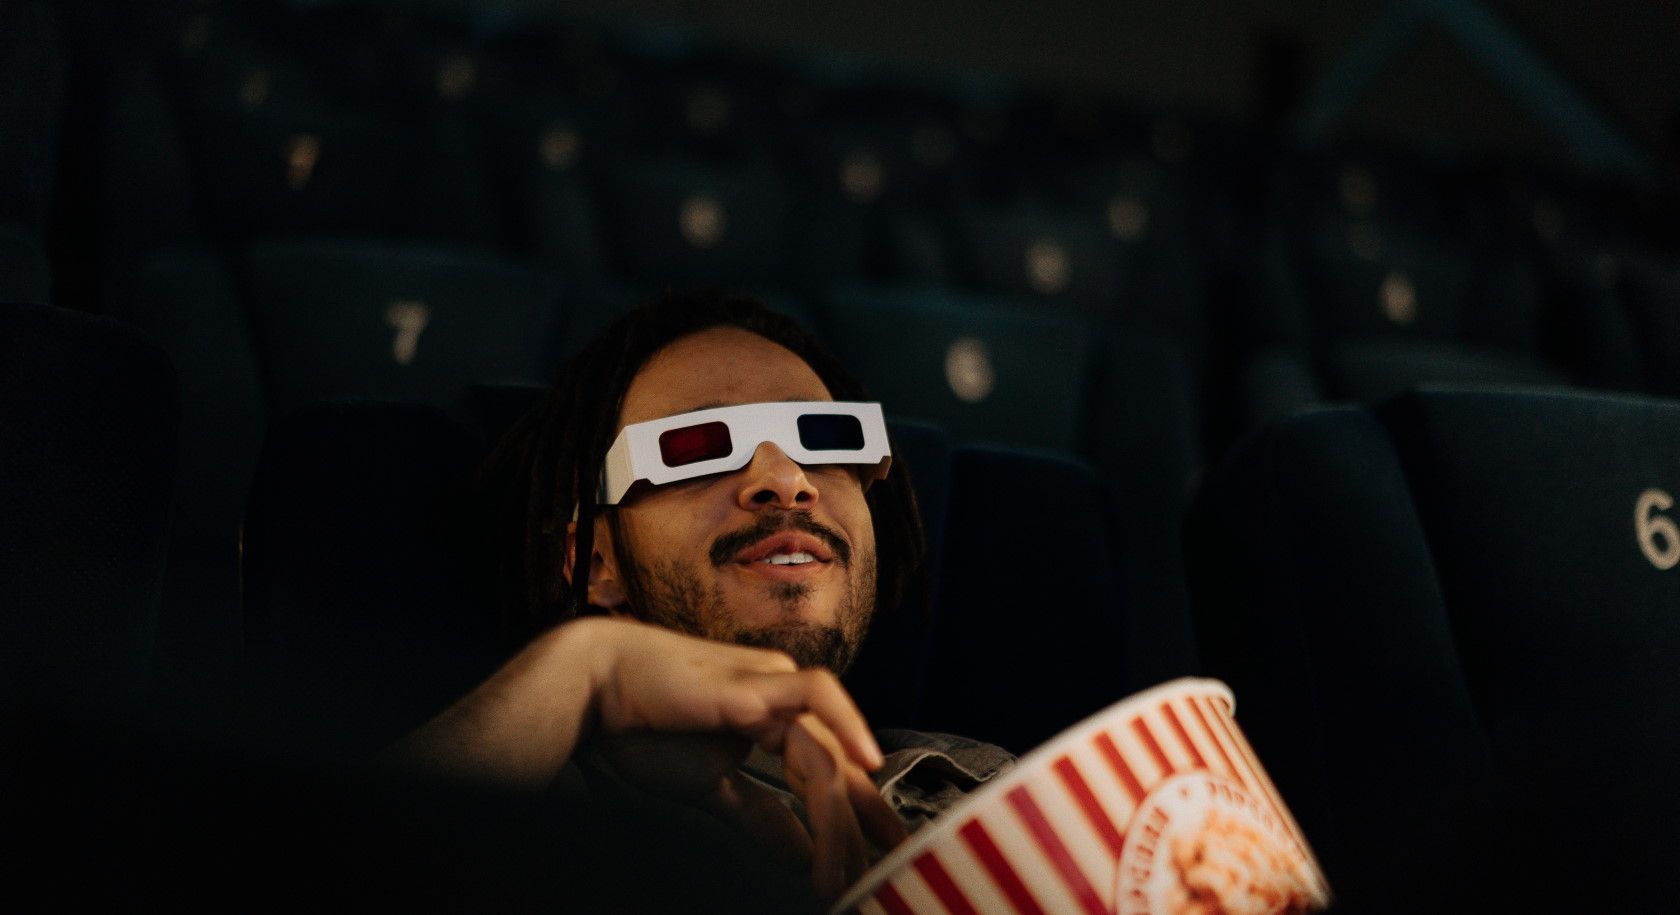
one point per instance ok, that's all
(830, 432)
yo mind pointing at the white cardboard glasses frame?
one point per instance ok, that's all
(636, 454)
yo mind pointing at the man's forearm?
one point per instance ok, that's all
(518, 727)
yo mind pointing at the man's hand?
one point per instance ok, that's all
(654, 684)
(677, 715)
(841, 803)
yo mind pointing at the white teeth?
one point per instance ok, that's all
(789, 559)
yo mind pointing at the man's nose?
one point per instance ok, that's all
(774, 480)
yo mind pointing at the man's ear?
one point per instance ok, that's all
(606, 588)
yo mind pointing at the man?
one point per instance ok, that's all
(693, 591)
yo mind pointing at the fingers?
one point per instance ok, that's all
(880, 823)
(816, 769)
(819, 692)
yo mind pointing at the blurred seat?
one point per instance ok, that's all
(1165, 232)
(1034, 632)
(88, 419)
(442, 76)
(1370, 308)
(1038, 256)
(590, 306)
(1587, 325)
(298, 166)
(1365, 183)
(1141, 433)
(33, 75)
(980, 368)
(1448, 622)
(548, 153)
(889, 677)
(282, 132)
(396, 322)
(1650, 287)
(846, 184)
(490, 410)
(693, 223)
(185, 300)
(146, 197)
(362, 614)
(691, 98)
(24, 274)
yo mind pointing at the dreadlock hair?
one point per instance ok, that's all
(550, 459)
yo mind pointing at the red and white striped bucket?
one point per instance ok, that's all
(1155, 805)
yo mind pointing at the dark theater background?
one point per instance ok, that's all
(1330, 350)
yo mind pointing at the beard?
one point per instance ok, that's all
(672, 593)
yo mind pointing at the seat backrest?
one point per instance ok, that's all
(547, 153)
(983, 370)
(1468, 584)
(1551, 519)
(890, 674)
(286, 135)
(1372, 370)
(1034, 633)
(697, 223)
(88, 419)
(186, 301)
(1046, 257)
(23, 267)
(360, 610)
(1142, 436)
(33, 77)
(1651, 289)
(394, 322)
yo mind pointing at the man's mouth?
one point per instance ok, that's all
(789, 548)
(790, 543)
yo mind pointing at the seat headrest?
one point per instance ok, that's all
(88, 421)
(362, 600)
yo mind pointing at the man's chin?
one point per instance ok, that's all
(808, 644)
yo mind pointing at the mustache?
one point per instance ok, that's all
(726, 546)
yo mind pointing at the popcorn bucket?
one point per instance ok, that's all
(1155, 805)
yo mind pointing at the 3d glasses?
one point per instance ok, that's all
(724, 439)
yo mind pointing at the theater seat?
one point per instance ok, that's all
(186, 301)
(1034, 630)
(1651, 288)
(33, 77)
(889, 677)
(981, 368)
(694, 223)
(88, 419)
(547, 153)
(1045, 257)
(1449, 624)
(847, 181)
(398, 322)
(23, 267)
(361, 614)
(1370, 370)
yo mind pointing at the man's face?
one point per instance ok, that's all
(697, 554)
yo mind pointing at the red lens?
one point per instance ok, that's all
(693, 444)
